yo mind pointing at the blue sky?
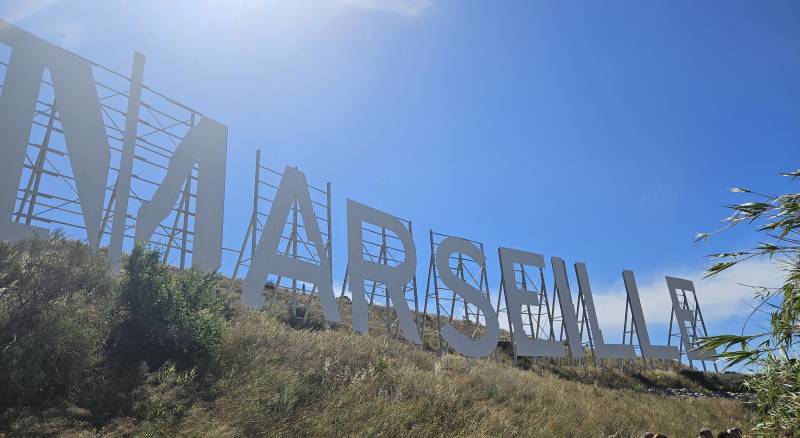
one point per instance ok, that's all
(604, 132)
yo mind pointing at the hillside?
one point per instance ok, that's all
(269, 376)
(275, 380)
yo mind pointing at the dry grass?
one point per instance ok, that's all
(275, 380)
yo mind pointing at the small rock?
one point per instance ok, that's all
(77, 412)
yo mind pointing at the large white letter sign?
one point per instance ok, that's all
(601, 349)
(516, 298)
(82, 123)
(684, 317)
(649, 351)
(268, 259)
(394, 277)
(468, 347)
(568, 318)
(205, 144)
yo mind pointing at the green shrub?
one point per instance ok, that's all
(164, 315)
(777, 392)
(54, 298)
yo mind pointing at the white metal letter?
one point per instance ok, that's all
(486, 344)
(516, 298)
(568, 318)
(123, 185)
(685, 316)
(205, 144)
(601, 349)
(268, 259)
(81, 120)
(649, 351)
(394, 277)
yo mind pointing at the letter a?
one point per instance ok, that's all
(267, 258)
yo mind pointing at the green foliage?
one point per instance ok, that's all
(777, 393)
(72, 334)
(778, 218)
(777, 385)
(54, 295)
(165, 316)
(163, 400)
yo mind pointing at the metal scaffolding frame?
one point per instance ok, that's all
(696, 328)
(293, 239)
(629, 334)
(538, 323)
(143, 129)
(448, 304)
(381, 246)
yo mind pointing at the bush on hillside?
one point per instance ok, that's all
(71, 333)
(163, 315)
(54, 296)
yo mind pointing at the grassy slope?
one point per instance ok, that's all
(338, 383)
(273, 379)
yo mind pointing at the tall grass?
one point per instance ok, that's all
(269, 375)
(274, 380)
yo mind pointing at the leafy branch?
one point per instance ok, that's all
(778, 218)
